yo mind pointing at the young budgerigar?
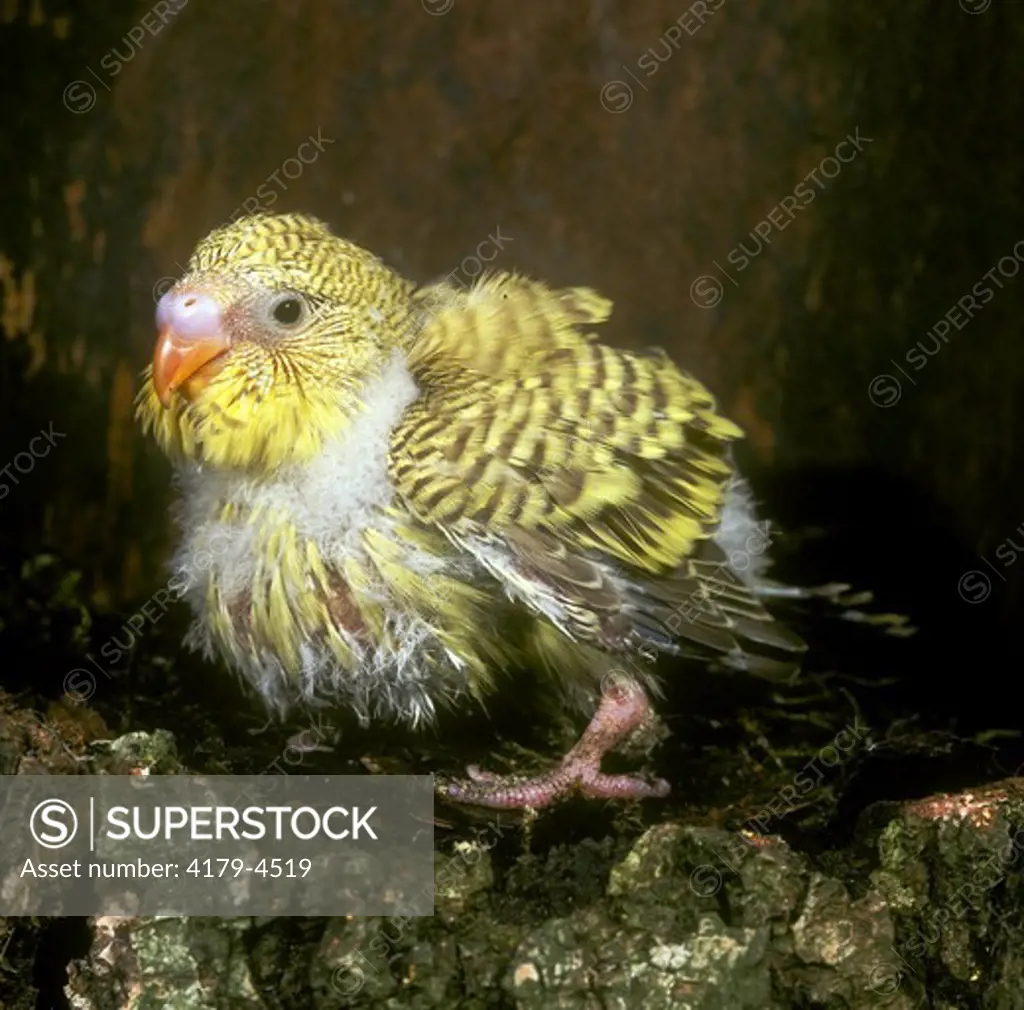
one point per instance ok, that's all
(405, 495)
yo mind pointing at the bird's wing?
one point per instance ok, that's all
(589, 480)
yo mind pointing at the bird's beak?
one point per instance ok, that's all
(183, 362)
(193, 335)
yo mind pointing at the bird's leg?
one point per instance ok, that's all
(623, 708)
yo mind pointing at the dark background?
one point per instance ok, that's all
(446, 124)
(449, 120)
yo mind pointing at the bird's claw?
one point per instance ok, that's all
(571, 778)
(623, 708)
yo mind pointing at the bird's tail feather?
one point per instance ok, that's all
(834, 600)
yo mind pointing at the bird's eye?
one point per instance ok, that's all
(289, 310)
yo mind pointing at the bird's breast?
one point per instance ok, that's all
(313, 583)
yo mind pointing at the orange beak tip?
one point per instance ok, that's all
(177, 359)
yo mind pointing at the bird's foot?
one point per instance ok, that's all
(516, 792)
(623, 708)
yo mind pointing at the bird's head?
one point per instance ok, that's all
(267, 342)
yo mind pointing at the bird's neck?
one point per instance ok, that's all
(327, 502)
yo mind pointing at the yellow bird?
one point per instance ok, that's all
(404, 495)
